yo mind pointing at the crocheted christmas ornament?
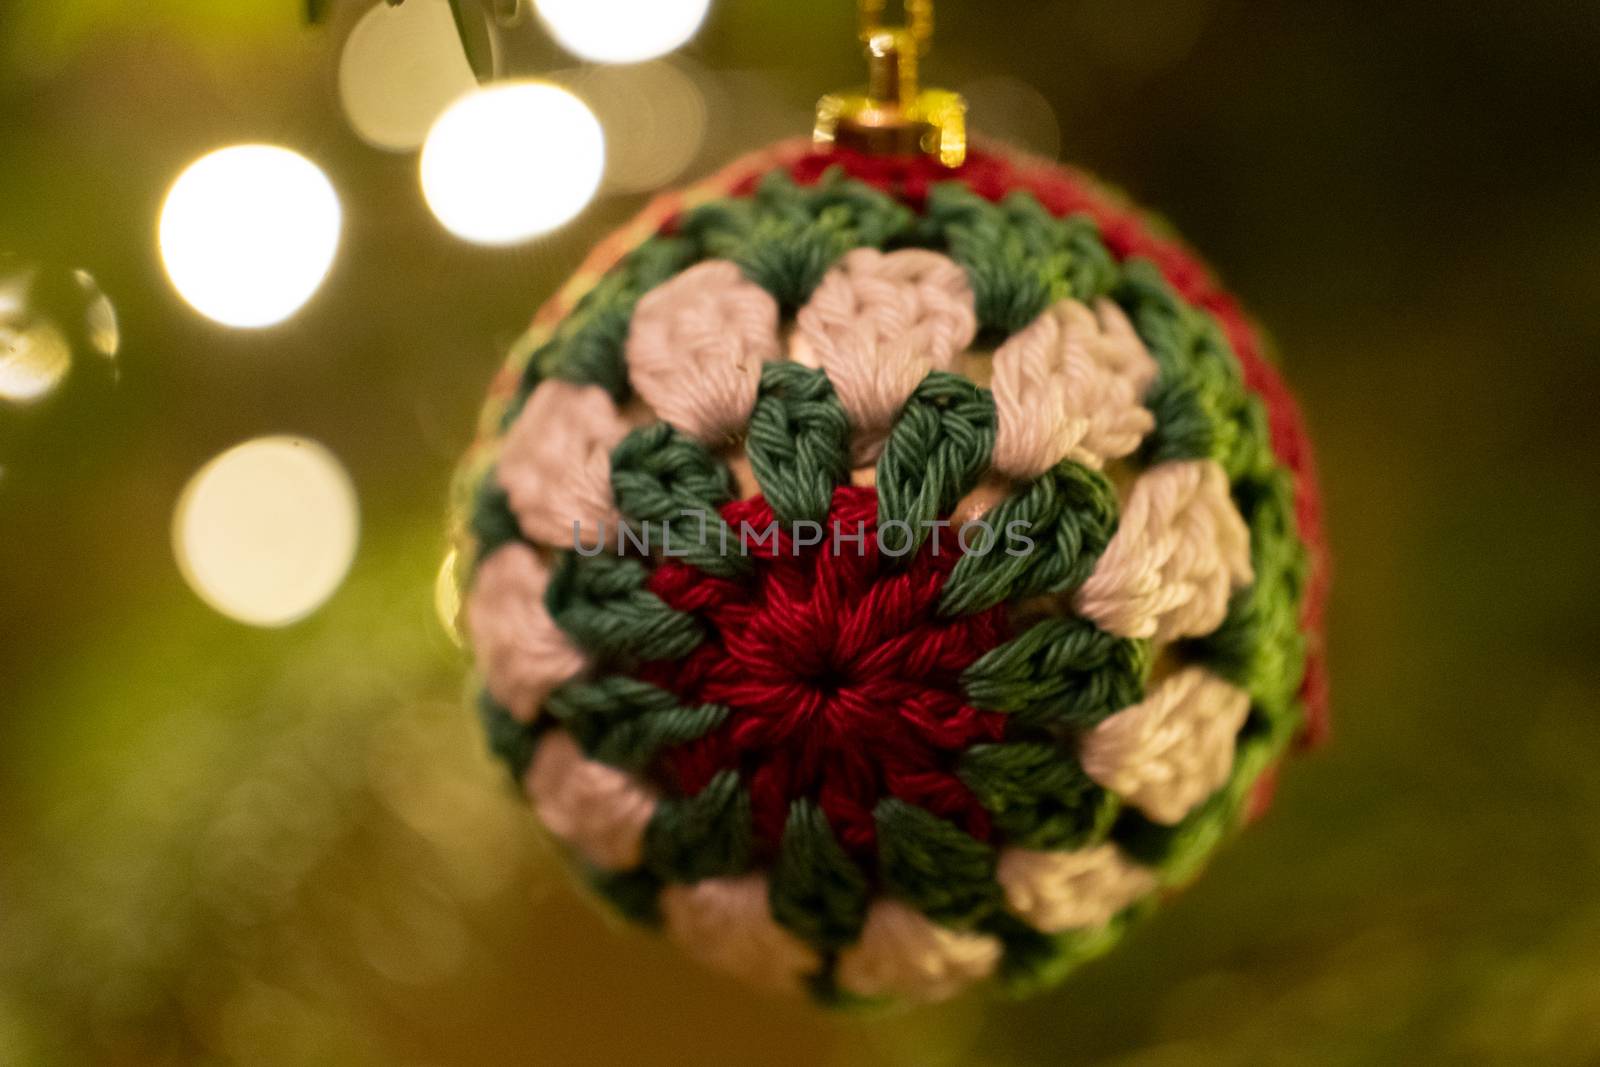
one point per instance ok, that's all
(885, 578)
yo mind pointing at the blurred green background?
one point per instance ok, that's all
(229, 845)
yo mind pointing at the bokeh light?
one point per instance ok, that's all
(46, 316)
(266, 532)
(513, 161)
(248, 233)
(654, 115)
(400, 68)
(1009, 109)
(447, 597)
(100, 327)
(622, 31)
(14, 284)
(33, 361)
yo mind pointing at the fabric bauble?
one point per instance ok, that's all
(886, 579)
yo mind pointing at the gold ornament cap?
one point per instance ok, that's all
(894, 115)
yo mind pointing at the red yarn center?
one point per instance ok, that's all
(842, 679)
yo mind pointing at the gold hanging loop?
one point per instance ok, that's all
(919, 21)
(894, 115)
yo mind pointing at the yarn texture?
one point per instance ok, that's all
(886, 580)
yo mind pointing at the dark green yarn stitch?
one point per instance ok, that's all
(1035, 961)
(798, 442)
(934, 865)
(636, 894)
(625, 722)
(492, 522)
(1260, 646)
(512, 742)
(938, 448)
(703, 836)
(824, 989)
(1203, 409)
(816, 891)
(1180, 852)
(1037, 794)
(1019, 258)
(1186, 403)
(601, 602)
(787, 236)
(1070, 512)
(657, 475)
(1060, 672)
(589, 345)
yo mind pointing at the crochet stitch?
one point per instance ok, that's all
(884, 579)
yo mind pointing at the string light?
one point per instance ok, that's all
(33, 361)
(266, 532)
(248, 233)
(512, 161)
(401, 66)
(622, 31)
(654, 115)
(1011, 110)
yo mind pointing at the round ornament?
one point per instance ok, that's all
(889, 571)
